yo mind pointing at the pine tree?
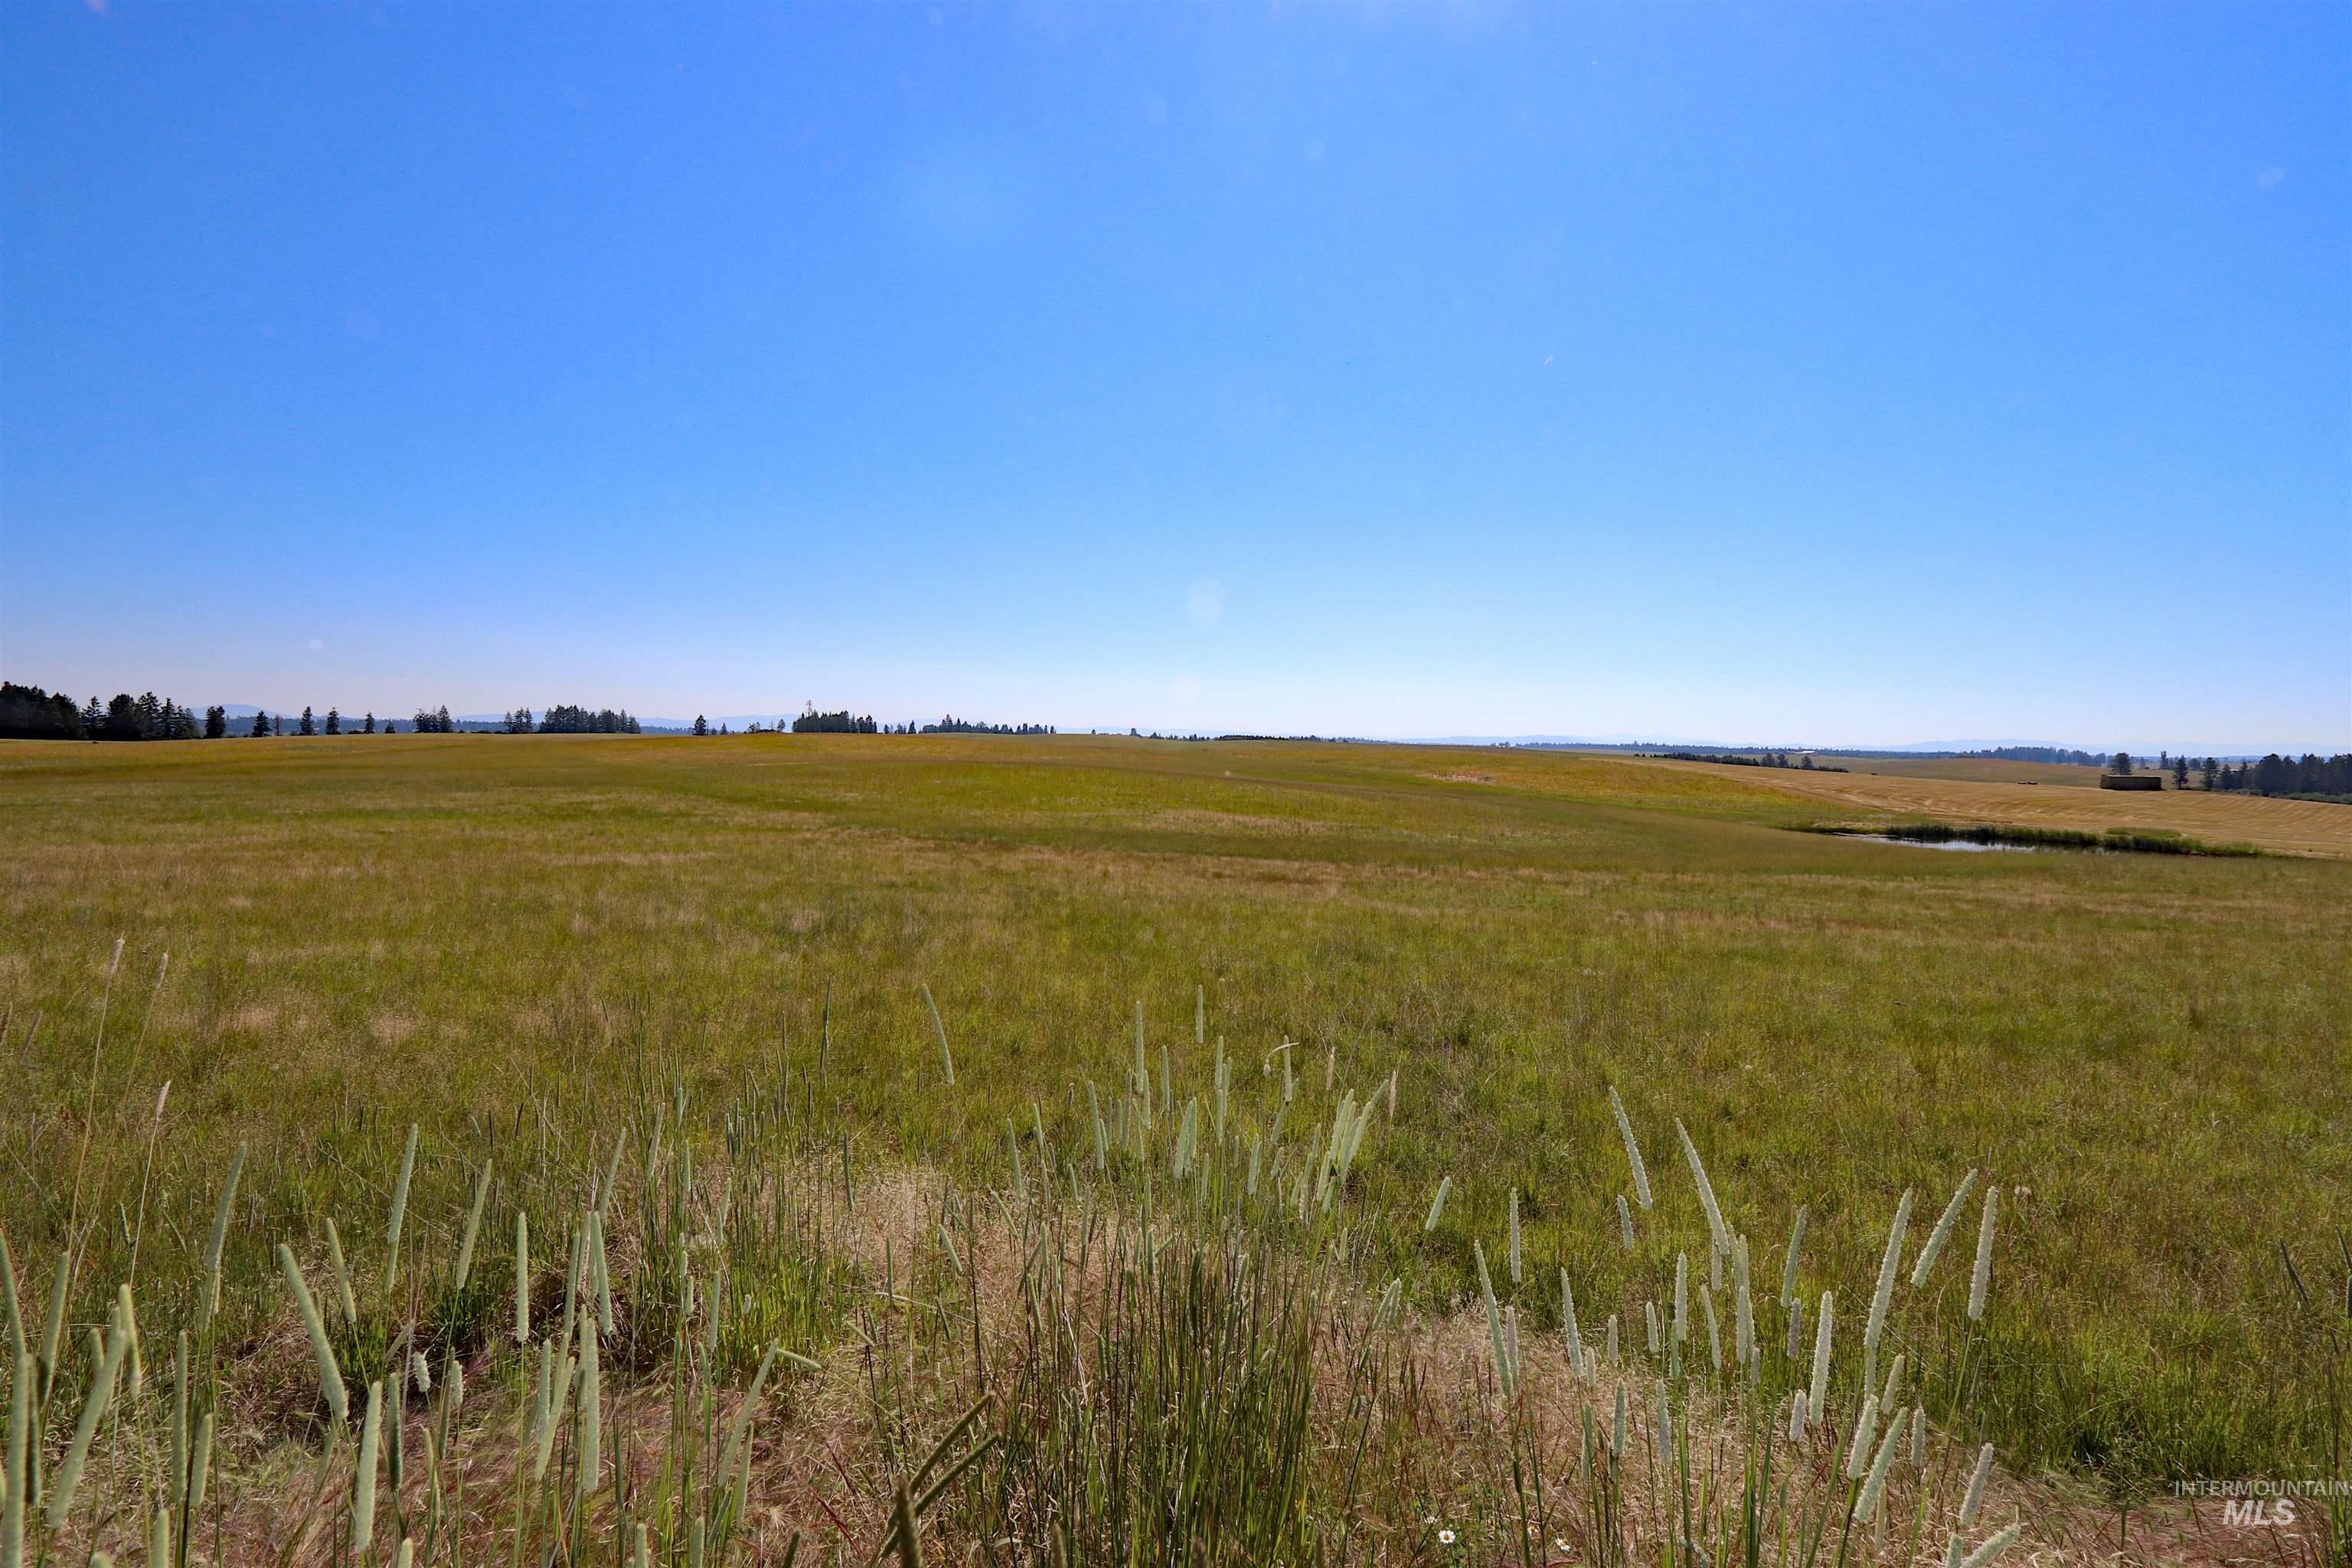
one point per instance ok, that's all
(121, 722)
(701, 725)
(335, 721)
(216, 721)
(308, 725)
(260, 726)
(367, 725)
(441, 720)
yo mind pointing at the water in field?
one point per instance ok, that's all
(1969, 846)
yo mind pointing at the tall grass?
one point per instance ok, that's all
(1830, 1025)
(1168, 1328)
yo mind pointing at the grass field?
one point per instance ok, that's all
(2010, 796)
(1975, 770)
(2146, 1054)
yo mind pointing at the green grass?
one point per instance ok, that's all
(2146, 1052)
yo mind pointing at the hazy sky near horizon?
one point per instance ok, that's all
(1837, 374)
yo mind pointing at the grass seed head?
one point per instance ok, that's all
(399, 1212)
(1889, 1262)
(1633, 1148)
(1865, 1432)
(1983, 1556)
(218, 1240)
(1980, 1281)
(1977, 1479)
(1942, 1233)
(947, 1058)
(1874, 1485)
(68, 1479)
(472, 1226)
(1823, 1325)
(363, 1475)
(523, 1278)
(323, 1350)
(1721, 1232)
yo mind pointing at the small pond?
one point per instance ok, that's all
(1964, 845)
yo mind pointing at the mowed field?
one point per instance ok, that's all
(1966, 792)
(2151, 1056)
(1975, 770)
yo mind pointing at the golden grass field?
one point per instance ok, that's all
(1979, 770)
(2008, 794)
(2146, 1054)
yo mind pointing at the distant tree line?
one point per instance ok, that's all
(2308, 778)
(812, 722)
(845, 722)
(570, 718)
(951, 725)
(1762, 760)
(2039, 755)
(27, 712)
(30, 712)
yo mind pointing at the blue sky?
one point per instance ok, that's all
(1863, 374)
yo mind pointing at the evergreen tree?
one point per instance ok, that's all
(2120, 763)
(93, 717)
(335, 721)
(278, 723)
(441, 720)
(2180, 772)
(260, 726)
(121, 717)
(701, 725)
(367, 725)
(392, 726)
(308, 726)
(27, 712)
(216, 721)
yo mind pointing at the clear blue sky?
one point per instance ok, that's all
(1868, 373)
